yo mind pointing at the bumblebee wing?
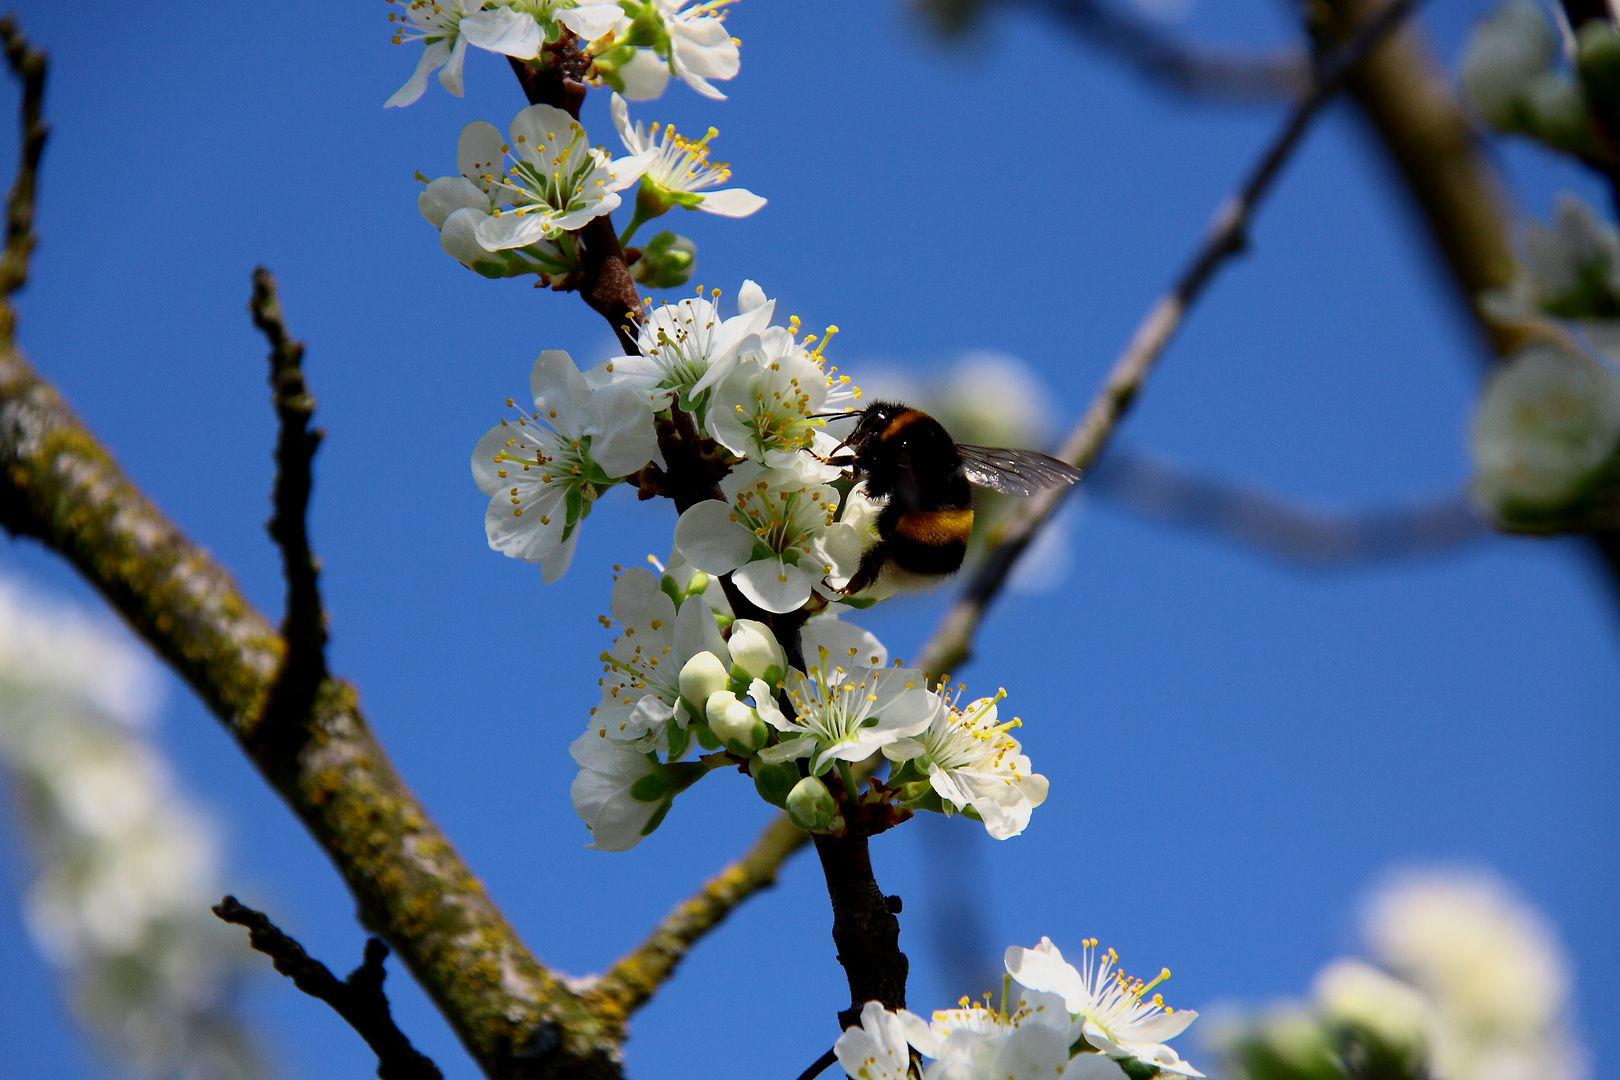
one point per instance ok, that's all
(1014, 472)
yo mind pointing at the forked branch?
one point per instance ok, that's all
(359, 999)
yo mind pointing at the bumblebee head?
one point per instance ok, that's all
(875, 420)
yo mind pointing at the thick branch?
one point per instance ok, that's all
(359, 999)
(631, 982)
(303, 627)
(1273, 527)
(864, 925)
(1228, 236)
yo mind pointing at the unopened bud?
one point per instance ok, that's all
(811, 805)
(666, 261)
(755, 653)
(702, 676)
(773, 782)
(735, 724)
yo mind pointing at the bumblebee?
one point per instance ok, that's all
(906, 460)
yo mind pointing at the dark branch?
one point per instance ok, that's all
(1160, 492)
(605, 281)
(819, 1066)
(303, 627)
(864, 929)
(1152, 52)
(1227, 237)
(359, 999)
(28, 65)
(1165, 59)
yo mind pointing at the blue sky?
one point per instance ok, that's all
(1236, 749)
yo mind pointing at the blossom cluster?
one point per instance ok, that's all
(1080, 1023)
(124, 867)
(1470, 983)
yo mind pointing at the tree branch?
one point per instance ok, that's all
(631, 982)
(1271, 526)
(1227, 237)
(28, 65)
(303, 627)
(1177, 66)
(359, 999)
(58, 484)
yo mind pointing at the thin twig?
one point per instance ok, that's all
(359, 999)
(819, 1066)
(632, 980)
(303, 627)
(1228, 236)
(1176, 65)
(28, 65)
(1253, 519)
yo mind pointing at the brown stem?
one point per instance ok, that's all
(865, 929)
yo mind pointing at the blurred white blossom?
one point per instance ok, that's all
(125, 866)
(1547, 427)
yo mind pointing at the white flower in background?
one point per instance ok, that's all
(641, 686)
(1493, 967)
(458, 205)
(1549, 421)
(602, 795)
(844, 714)
(1117, 1020)
(970, 760)
(125, 867)
(691, 38)
(446, 28)
(1506, 54)
(679, 170)
(877, 1049)
(1570, 271)
(775, 534)
(542, 471)
(556, 183)
(681, 344)
(1354, 992)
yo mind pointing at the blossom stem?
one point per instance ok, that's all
(851, 790)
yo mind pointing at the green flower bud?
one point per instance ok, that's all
(755, 653)
(702, 676)
(1556, 113)
(666, 261)
(811, 805)
(773, 782)
(735, 724)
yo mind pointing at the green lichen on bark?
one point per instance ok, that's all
(63, 488)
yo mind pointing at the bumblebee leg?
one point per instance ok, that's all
(872, 561)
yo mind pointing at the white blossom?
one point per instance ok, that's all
(877, 1049)
(777, 535)
(680, 168)
(769, 401)
(556, 181)
(970, 760)
(1506, 53)
(844, 714)
(601, 792)
(446, 28)
(1029, 1039)
(1353, 991)
(683, 346)
(1549, 421)
(124, 865)
(543, 470)
(1116, 1018)
(641, 684)
(1492, 966)
(690, 37)
(458, 205)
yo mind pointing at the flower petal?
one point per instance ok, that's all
(450, 74)
(777, 586)
(560, 392)
(731, 202)
(709, 538)
(504, 30)
(620, 425)
(433, 55)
